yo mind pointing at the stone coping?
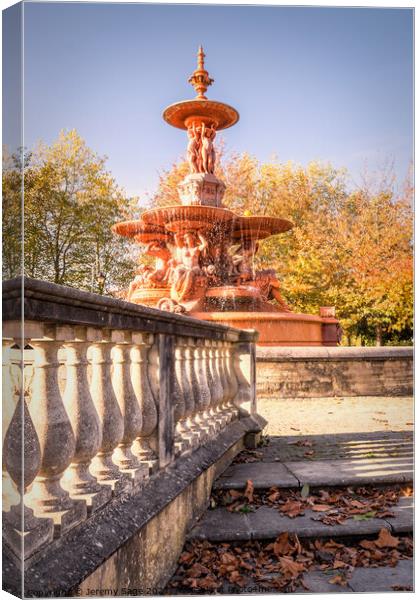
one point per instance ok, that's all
(49, 302)
(65, 563)
(340, 353)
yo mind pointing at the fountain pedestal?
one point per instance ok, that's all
(201, 189)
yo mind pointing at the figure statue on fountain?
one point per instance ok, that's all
(186, 272)
(243, 261)
(208, 154)
(148, 277)
(194, 148)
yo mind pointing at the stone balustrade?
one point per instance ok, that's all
(104, 395)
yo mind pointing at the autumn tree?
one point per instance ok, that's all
(348, 249)
(12, 177)
(70, 204)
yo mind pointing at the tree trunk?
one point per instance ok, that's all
(378, 330)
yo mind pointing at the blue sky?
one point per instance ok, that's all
(333, 84)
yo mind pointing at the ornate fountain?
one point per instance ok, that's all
(204, 253)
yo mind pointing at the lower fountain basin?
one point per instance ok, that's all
(280, 328)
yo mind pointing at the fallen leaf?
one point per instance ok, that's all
(367, 544)
(320, 507)
(365, 516)
(338, 580)
(275, 495)
(289, 566)
(282, 546)
(291, 508)
(235, 494)
(386, 540)
(249, 491)
(305, 491)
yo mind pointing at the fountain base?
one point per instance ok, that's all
(280, 328)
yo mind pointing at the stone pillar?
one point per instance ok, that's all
(77, 479)
(184, 425)
(221, 375)
(110, 417)
(166, 421)
(178, 400)
(129, 407)
(212, 385)
(141, 447)
(218, 384)
(23, 532)
(230, 388)
(232, 378)
(244, 365)
(192, 375)
(56, 439)
(204, 397)
(10, 400)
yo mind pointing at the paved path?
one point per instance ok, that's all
(331, 446)
(336, 415)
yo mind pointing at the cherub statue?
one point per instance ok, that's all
(269, 287)
(243, 260)
(193, 149)
(148, 277)
(188, 253)
(208, 155)
(160, 251)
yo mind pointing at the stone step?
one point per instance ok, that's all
(318, 473)
(363, 579)
(220, 525)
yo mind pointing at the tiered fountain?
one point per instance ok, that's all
(204, 253)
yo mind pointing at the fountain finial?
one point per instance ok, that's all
(200, 79)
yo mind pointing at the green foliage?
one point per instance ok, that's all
(70, 204)
(351, 250)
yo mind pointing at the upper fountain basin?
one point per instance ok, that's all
(160, 223)
(210, 112)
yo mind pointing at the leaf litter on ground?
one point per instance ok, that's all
(332, 506)
(280, 566)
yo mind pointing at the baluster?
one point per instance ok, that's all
(184, 425)
(110, 417)
(208, 365)
(57, 443)
(193, 384)
(217, 383)
(203, 398)
(140, 352)
(36, 532)
(77, 479)
(225, 383)
(179, 404)
(233, 381)
(244, 367)
(129, 406)
(10, 494)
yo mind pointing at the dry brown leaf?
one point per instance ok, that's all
(386, 540)
(367, 545)
(320, 507)
(291, 567)
(282, 546)
(249, 491)
(292, 508)
(275, 495)
(339, 564)
(235, 494)
(338, 580)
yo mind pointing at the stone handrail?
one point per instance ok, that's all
(106, 393)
